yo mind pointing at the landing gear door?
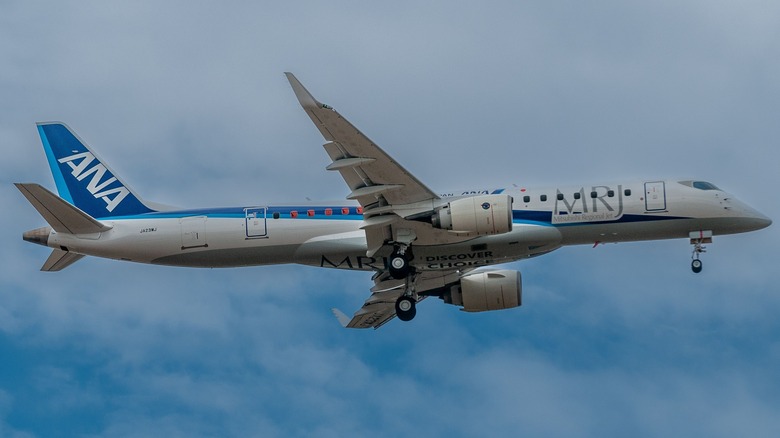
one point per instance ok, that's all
(255, 222)
(655, 196)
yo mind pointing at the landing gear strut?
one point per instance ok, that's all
(696, 264)
(698, 239)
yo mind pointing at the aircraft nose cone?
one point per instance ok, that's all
(763, 222)
(756, 220)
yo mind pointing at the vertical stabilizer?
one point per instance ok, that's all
(83, 179)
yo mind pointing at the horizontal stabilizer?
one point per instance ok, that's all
(59, 260)
(61, 216)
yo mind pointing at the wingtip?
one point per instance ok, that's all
(304, 97)
(341, 317)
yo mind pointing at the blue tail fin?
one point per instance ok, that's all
(83, 179)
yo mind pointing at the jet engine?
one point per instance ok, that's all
(482, 291)
(480, 215)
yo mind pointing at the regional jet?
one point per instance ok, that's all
(417, 242)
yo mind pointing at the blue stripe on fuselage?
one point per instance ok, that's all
(545, 218)
(534, 217)
(240, 212)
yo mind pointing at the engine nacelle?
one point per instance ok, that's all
(492, 290)
(481, 215)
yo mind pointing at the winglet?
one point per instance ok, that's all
(303, 95)
(343, 319)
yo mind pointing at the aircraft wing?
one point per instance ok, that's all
(379, 308)
(368, 171)
(379, 184)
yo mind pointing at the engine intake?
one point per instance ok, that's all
(480, 215)
(483, 291)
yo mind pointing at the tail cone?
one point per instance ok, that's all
(38, 235)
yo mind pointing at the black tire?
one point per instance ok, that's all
(405, 308)
(696, 266)
(399, 266)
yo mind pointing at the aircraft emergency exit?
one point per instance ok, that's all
(418, 243)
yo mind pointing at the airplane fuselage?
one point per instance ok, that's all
(329, 234)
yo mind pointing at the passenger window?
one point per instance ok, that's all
(627, 192)
(593, 194)
(611, 193)
(543, 198)
(526, 199)
(276, 215)
(577, 195)
(560, 196)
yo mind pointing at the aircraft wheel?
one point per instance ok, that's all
(696, 266)
(405, 308)
(399, 266)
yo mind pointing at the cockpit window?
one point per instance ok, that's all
(701, 185)
(704, 185)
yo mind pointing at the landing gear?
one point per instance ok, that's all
(399, 263)
(406, 308)
(399, 268)
(698, 249)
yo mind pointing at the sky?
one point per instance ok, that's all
(188, 102)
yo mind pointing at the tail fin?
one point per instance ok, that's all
(83, 179)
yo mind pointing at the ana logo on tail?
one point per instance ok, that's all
(81, 170)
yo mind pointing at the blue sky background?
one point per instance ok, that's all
(188, 102)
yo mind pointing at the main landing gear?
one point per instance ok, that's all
(406, 308)
(399, 262)
(406, 305)
(400, 268)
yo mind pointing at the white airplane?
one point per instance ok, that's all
(417, 242)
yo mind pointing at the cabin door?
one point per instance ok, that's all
(255, 222)
(655, 196)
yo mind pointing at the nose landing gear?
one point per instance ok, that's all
(698, 239)
(696, 266)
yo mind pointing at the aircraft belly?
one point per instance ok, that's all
(662, 228)
(230, 257)
(523, 241)
(228, 245)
